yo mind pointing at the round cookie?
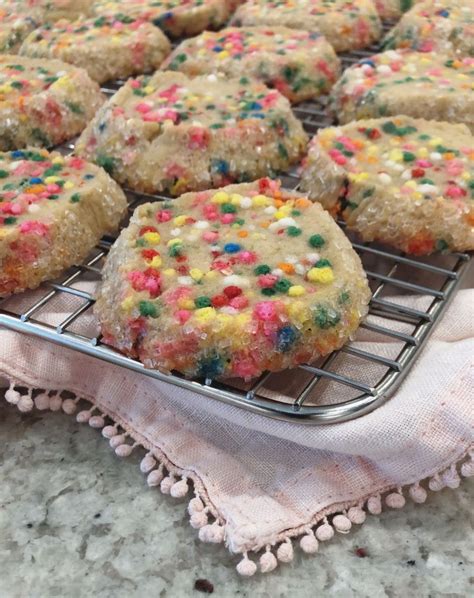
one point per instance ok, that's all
(231, 283)
(436, 25)
(49, 11)
(405, 182)
(174, 17)
(107, 48)
(346, 24)
(53, 210)
(43, 102)
(13, 30)
(423, 85)
(300, 64)
(169, 133)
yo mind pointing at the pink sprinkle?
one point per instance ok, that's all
(53, 188)
(247, 257)
(337, 156)
(76, 163)
(163, 216)
(227, 218)
(143, 108)
(267, 280)
(210, 236)
(135, 83)
(34, 227)
(239, 302)
(183, 315)
(424, 163)
(265, 310)
(455, 191)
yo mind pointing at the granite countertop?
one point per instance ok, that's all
(76, 521)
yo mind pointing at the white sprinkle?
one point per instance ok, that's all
(277, 272)
(245, 203)
(435, 156)
(427, 188)
(176, 232)
(384, 69)
(235, 279)
(282, 223)
(185, 280)
(201, 224)
(385, 178)
(313, 257)
(270, 210)
(228, 309)
(291, 259)
(406, 175)
(33, 208)
(300, 269)
(212, 78)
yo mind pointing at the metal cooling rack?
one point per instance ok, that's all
(344, 385)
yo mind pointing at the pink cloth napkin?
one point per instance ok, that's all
(261, 485)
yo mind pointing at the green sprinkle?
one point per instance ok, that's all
(228, 208)
(202, 302)
(316, 241)
(107, 163)
(293, 231)
(323, 263)
(408, 157)
(3, 174)
(262, 269)
(10, 220)
(268, 291)
(75, 198)
(326, 317)
(343, 297)
(282, 285)
(148, 309)
(441, 245)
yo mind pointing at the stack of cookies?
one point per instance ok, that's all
(232, 275)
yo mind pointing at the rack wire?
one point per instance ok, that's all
(344, 385)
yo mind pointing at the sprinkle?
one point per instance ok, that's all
(316, 241)
(296, 290)
(323, 275)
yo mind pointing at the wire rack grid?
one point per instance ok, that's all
(344, 385)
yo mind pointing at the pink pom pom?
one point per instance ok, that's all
(117, 440)
(12, 396)
(55, 403)
(395, 500)
(199, 519)
(374, 505)
(69, 406)
(356, 515)
(342, 524)
(124, 450)
(246, 567)
(417, 493)
(147, 463)
(154, 477)
(309, 544)
(166, 484)
(324, 532)
(285, 552)
(25, 404)
(212, 533)
(195, 505)
(109, 431)
(42, 401)
(268, 562)
(83, 417)
(96, 421)
(179, 489)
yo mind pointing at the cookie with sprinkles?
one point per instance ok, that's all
(13, 30)
(423, 85)
(231, 283)
(53, 210)
(43, 102)
(300, 64)
(402, 181)
(436, 25)
(346, 24)
(175, 17)
(48, 11)
(169, 133)
(107, 48)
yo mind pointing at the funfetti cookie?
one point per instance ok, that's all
(107, 48)
(402, 181)
(53, 210)
(300, 64)
(169, 133)
(231, 283)
(346, 24)
(43, 102)
(423, 85)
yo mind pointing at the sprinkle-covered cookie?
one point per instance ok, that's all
(423, 85)
(346, 24)
(169, 133)
(53, 210)
(231, 283)
(107, 48)
(43, 102)
(175, 17)
(402, 181)
(48, 11)
(13, 30)
(436, 25)
(300, 64)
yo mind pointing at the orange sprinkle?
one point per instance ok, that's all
(303, 203)
(35, 189)
(448, 156)
(278, 202)
(243, 233)
(264, 224)
(287, 268)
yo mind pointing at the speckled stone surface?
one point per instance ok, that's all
(76, 521)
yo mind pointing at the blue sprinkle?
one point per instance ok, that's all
(254, 106)
(88, 177)
(444, 13)
(102, 127)
(220, 166)
(36, 181)
(367, 61)
(286, 336)
(18, 154)
(257, 115)
(231, 247)
(217, 49)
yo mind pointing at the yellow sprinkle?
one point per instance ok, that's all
(323, 275)
(180, 220)
(359, 177)
(211, 275)
(279, 215)
(260, 201)
(423, 152)
(205, 314)
(220, 197)
(185, 303)
(51, 179)
(172, 242)
(396, 155)
(68, 185)
(58, 160)
(242, 320)
(152, 238)
(435, 141)
(169, 272)
(222, 55)
(411, 184)
(196, 274)
(224, 320)
(156, 262)
(298, 311)
(127, 304)
(148, 89)
(296, 290)
(235, 199)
